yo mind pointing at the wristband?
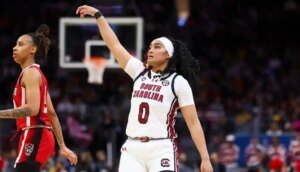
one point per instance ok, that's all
(98, 14)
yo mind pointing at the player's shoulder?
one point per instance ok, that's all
(179, 82)
(179, 78)
(32, 72)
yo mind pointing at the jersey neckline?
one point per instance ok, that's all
(152, 74)
(34, 64)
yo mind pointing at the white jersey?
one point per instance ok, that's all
(155, 101)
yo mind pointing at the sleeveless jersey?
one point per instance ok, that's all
(155, 101)
(19, 99)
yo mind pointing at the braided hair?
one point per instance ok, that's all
(41, 39)
(183, 63)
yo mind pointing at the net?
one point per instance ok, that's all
(95, 67)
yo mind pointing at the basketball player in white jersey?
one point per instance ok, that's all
(159, 90)
(34, 113)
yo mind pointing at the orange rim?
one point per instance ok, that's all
(98, 61)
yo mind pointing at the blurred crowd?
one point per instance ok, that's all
(249, 82)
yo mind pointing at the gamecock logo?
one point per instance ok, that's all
(165, 162)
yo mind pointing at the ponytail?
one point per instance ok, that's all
(41, 39)
(183, 63)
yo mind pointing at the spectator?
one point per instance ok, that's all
(255, 153)
(277, 155)
(85, 162)
(274, 130)
(77, 131)
(183, 163)
(101, 162)
(215, 160)
(294, 152)
(229, 154)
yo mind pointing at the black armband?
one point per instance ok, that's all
(98, 14)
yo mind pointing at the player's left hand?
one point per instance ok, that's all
(71, 156)
(206, 166)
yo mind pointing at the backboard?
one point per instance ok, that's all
(80, 38)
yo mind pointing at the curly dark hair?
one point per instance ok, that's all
(41, 39)
(183, 63)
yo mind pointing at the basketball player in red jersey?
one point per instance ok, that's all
(159, 90)
(33, 110)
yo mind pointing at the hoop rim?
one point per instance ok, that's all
(97, 60)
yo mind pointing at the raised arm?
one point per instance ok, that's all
(108, 35)
(31, 81)
(190, 115)
(58, 133)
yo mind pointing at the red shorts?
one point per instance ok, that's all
(36, 145)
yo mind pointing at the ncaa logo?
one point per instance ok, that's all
(165, 162)
(165, 82)
(28, 149)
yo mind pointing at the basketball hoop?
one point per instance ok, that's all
(95, 67)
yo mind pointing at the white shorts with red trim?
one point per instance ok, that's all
(153, 155)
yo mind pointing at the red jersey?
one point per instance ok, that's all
(19, 99)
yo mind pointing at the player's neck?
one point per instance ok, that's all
(159, 69)
(27, 63)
